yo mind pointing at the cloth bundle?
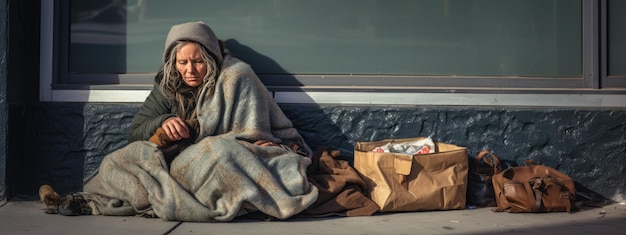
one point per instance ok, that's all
(341, 188)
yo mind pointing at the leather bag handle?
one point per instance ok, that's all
(490, 159)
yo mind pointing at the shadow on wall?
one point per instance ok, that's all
(311, 120)
(256, 60)
(66, 142)
(54, 147)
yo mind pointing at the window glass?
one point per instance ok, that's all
(617, 37)
(538, 38)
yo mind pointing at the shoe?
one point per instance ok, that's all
(73, 205)
(50, 199)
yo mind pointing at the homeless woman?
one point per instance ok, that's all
(220, 146)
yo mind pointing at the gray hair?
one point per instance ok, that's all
(182, 96)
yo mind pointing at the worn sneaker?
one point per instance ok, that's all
(50, 199)
(74, 205)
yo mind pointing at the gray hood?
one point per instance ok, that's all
(193, 31)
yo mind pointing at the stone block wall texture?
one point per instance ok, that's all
(67, 141)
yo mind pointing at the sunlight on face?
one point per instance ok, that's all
(190, 64)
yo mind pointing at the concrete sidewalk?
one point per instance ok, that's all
(27, 217)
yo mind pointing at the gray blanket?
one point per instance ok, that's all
(223, 174)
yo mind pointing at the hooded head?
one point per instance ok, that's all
(183, 96)
(193, 31)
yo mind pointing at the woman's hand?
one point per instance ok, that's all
(175, 128)
(265, 143)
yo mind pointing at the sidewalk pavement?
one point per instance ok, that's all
(27, 217)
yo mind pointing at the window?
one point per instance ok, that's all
(476, 46)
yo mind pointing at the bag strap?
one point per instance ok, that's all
(490, 159)
(567, 199)
(537, 185)
(530, 162)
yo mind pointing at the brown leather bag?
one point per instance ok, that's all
(533, 188)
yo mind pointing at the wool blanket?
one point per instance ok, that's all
(223, 174)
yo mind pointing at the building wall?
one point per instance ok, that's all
(19, 81)
(67, 141)
(4, 107)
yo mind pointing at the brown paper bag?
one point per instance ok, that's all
(397, 182)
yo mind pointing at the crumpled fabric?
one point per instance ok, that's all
(341, 188)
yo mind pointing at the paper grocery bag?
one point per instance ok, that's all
(401, 182)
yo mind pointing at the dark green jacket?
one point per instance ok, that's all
(150, 116)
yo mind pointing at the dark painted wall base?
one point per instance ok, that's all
(66, 141)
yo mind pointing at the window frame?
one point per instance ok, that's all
(607, 81)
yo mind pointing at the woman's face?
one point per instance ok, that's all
(190, 65)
